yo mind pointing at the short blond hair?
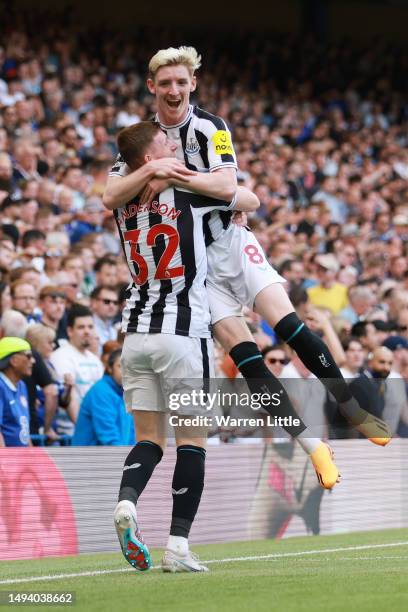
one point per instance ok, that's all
(37, 333)
(187, 56)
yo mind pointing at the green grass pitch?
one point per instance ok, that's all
(364, 571)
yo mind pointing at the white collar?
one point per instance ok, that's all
(178, 125)
(8, 382)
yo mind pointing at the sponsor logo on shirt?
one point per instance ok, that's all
(222, 142)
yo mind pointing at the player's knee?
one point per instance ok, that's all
(273, 303)
(156, 440)
(192, 440)
(232, 331)
(150, 426)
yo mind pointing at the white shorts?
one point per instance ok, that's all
(158, 367)
(237, 271)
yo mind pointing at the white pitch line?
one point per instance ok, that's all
(61, 576)
(227, 560)
(379, 558)
(308, 552)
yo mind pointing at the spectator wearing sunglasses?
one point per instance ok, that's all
(104, 305)
(15, 325)
(52, 264)
(16, 362)
(275, 358)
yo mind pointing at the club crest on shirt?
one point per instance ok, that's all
(192, 146)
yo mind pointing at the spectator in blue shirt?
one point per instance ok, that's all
(102, 417)
(88, 220)
(16, 362)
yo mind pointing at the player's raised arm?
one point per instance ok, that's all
(220, 184)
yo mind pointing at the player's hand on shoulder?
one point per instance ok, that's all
(154, 186)
(167, 172)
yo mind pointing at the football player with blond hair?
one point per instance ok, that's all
(238, 271)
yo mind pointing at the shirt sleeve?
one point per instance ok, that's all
(120, 167)
(41, 374)
(220, 149)
(204, 203)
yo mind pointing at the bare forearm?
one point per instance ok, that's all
(221, 185)
(119, 190)
(73, 408)
(2, 442)
(50, 405)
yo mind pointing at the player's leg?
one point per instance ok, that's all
(256, 284)
(143, 397)
(150, 428)
(235, 337)
(139, 466)
(185, 366)
(273, 304)
(187, 488)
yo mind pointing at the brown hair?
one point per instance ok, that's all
(134, 140)
(16, 274)
(18, 283)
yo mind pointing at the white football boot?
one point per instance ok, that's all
(175, 562)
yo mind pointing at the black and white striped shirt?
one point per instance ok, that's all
(204, 144)
(164, 246)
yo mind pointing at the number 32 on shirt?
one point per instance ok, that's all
(163, 270)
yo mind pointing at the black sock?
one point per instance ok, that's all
(259, 379)
(315, 355)
(187, 487)
(139, 466)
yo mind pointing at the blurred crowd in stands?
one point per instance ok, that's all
(321, 136)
